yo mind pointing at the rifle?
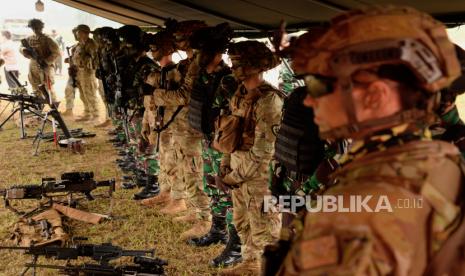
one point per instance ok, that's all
(144, 260)
(72, 68)
(34, 55)
(71, 182)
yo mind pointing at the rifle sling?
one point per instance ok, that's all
(165, 126)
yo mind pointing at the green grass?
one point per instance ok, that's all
(135, 227)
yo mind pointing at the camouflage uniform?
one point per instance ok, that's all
(250, 170)
(186, 141)
(85, 60)
(168, 157)
(70, 93)
(47, 50)
(398, 163)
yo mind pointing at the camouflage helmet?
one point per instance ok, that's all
(132, 35)
(254, 55)
(184, 29)
(162, 41)
(213, 39)
(35, 23)
(83, 28)
(361, 39)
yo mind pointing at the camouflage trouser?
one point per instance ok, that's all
(255, 228)
(169, 178)
(220, 203)
(36, 78)
(70, 94)
(118, 123)
(189, 159)
(86, 84)
(135, 139)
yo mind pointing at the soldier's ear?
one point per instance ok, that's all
(377, 95)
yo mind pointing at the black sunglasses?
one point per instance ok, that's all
(319, 86)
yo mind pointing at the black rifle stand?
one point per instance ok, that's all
(40, 132)
(22, 106)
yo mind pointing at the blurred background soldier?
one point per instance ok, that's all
(43, 52)
(450, 127)
(8, 52)
(370, 81)
(255, 110)
(71, 84)
(103, 69)
(61, 45)
(84, 59)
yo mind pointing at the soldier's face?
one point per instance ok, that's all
(82, 35)
(373, 100)
(37, 30)
(329, 110)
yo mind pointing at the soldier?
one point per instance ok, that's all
(136, 66)
(159, 121)
(450, 127)
(247, 134)
(84, 59)
(100, 73)
(71, 84)
(41, 66)
(370, 81)
(175, 99)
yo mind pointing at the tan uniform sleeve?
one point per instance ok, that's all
(267, 114)
(54, 51)
(180, 96)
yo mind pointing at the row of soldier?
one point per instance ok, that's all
(200, 129)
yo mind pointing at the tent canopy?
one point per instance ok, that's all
(251, 16)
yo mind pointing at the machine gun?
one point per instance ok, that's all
(34, 55)
(71, 182)
(144, 261)
(22, 102)
(24, 99)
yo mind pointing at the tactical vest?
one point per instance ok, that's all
(141, 69)
(201, 115)
(236, 130)
(298, 146)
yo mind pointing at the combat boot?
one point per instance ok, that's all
(105, 123)
(188, 218)
(175, 206)
(83, 118)
(217, 233)
(198, 230)
(232, 252)
(151, 188)
(161, 198)
(248, 267)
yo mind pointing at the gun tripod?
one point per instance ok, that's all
(53, 112)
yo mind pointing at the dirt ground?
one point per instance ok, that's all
(135, 227)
